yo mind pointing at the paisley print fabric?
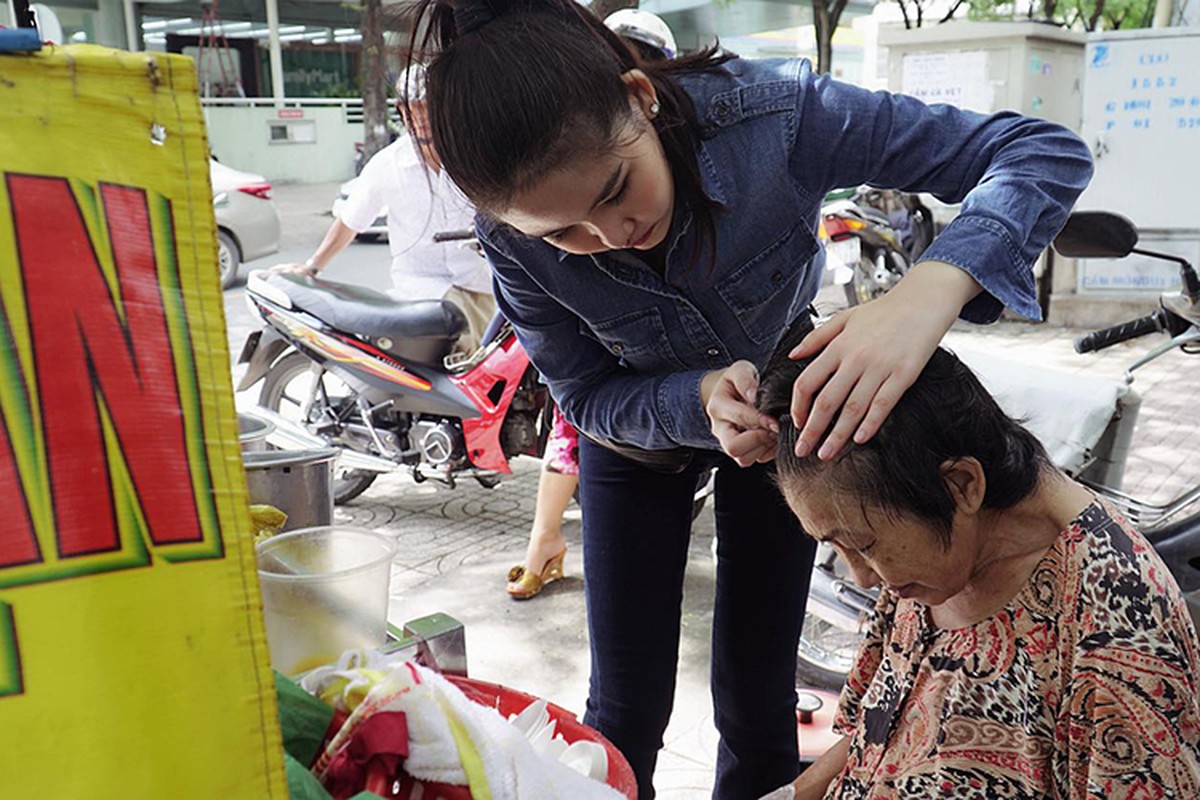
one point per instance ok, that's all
(1084, 686)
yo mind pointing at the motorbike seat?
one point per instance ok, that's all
(420, 330)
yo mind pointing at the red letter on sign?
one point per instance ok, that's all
(85, 350)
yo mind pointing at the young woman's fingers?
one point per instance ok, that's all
(826, 404)
(732, 400)
(743, 377)
(748, 447)
(768, 455)
(804, 392)
(885, 400)
(854, 409)
(820, 336)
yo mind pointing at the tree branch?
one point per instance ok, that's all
(953, 10)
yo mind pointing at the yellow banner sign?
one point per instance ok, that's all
(132, 656)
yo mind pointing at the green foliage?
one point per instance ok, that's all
(1087, 15)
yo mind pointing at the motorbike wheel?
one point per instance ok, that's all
(286, 385)
(825, 655)
(862, 288)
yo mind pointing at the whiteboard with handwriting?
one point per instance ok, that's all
(1141, 117)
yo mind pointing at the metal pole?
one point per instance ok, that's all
(276, 52)
(1164, 10)
(133, 42)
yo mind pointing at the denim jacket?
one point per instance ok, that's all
(623, 347)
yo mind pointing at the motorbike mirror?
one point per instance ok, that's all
(1096, 234)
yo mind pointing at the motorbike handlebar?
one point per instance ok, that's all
(454, 236)
(1107, 337)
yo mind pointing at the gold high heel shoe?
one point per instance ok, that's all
(529, 584)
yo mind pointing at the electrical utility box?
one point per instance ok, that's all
(1028, 67)
(1141, 117)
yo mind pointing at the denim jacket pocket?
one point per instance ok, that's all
(764, 293)
(637, 339)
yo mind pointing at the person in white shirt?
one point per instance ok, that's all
(406, 178)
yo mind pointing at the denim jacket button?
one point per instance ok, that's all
(722, 110)
(713, 352)
(618, 348)
(777, 277)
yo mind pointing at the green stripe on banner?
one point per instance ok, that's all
(11, 681)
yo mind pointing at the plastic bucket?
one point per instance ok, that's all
(297, 482)
(253, 433)
(324, 591)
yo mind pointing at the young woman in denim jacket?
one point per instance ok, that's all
(652, 232)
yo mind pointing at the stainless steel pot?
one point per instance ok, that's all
(297, 482)
(253, 433)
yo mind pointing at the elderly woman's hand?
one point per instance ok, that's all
(728, 395)
(869, 356)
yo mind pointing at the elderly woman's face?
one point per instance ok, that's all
(904, 555)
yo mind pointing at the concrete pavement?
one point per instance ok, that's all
(457, 544)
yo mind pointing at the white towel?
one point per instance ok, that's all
(511, 767)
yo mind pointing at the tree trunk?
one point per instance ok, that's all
(826, 14)
(602, 8)
(374, 80)
(824, 33)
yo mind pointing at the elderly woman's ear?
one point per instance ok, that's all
(966, 484)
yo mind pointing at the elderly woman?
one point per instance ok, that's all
(1028, 642)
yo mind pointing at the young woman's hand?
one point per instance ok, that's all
(728, 396)
(871, 354)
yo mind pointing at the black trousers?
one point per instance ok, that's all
(636, 527)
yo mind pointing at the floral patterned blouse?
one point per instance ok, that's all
(1083, 686)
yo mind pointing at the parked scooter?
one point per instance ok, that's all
(352, 368)
(1094, 454)
(872, 238)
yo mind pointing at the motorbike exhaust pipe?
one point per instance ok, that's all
(291, 435)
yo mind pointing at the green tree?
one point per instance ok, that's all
(1088, 15)
(913, 12)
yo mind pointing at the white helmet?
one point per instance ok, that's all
(410, 86)
(643, 26)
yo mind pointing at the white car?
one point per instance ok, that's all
(376, 230)
(247, 220)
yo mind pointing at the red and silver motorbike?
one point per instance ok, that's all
(871, 238)
(355, 369)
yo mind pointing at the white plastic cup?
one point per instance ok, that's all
(324, 591)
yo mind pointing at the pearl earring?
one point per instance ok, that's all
(654, 108)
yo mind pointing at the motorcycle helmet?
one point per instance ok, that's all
(642, 26)
(410, 86)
